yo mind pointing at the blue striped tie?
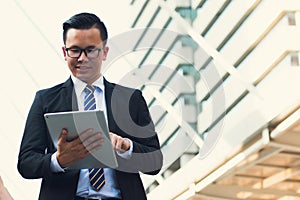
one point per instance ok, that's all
(96, 175)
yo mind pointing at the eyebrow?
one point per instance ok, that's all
(77, 47)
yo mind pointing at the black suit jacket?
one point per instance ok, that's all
(128, 116)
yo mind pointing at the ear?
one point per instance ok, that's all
(105, 52)
(64, 52)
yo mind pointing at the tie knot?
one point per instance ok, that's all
(89, 89)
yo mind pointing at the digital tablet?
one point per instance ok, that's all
(76, 122)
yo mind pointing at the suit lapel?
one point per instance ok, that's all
(108, 94)
(69, 96)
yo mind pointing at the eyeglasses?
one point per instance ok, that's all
(89, 52)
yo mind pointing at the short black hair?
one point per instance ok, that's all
(85, 21)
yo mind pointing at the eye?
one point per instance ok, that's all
(75, 50)
(91, 50)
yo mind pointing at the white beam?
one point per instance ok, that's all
(218, 58)
(278, 177)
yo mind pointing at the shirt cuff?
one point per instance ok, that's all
(127, 154)
(54, 165)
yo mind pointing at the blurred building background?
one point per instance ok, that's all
(221, 79)
(238, 135)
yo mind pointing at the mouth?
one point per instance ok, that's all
(81, 67)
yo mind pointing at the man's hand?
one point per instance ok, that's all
(69, 152)
(119, 143)
(4, 194)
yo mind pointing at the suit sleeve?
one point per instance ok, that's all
(34, 157)
(147, 156)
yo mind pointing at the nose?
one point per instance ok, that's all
(83, 56)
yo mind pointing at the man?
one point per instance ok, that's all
(131, 129)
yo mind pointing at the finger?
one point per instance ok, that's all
(86, 134)
(90, 150)
(111, 135)
(92, 138)
(125, 145)
(94, 147)
(119, 142)
(84, 153)
(94, 141)
(113, 140)
(63, 136)
(81, 152)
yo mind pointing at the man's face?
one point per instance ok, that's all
(84, 68)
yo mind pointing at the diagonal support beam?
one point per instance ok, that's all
(218, 58)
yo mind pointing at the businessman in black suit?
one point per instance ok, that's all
(131, 129)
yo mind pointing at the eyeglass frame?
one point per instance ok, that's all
(83, 50)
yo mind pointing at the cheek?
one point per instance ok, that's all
(71, 65)
(71, 62)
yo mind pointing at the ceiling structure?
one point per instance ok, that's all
(272, 172)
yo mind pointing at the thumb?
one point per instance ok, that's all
(63, 136)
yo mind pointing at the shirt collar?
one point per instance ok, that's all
(79, 85)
